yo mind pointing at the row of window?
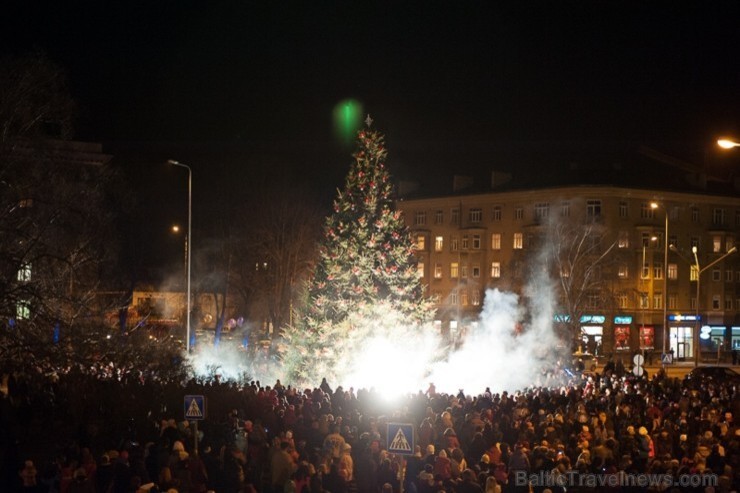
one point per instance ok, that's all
(471, 242)
(460, 270)
(541, 211)
(462, 297)
(472, 297)
(720, 242)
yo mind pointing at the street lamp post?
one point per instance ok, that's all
(654, 205)
(189, 247)
(699, 271)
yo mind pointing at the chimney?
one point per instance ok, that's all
(499, 178)
(461, 182)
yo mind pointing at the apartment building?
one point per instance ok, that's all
(468, 243)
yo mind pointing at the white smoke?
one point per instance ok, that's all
(512, 346)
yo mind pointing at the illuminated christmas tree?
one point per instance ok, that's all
(366, 277)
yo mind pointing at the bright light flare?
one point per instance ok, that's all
(394, 367)
(727, 143)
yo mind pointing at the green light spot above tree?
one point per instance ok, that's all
(347, 120)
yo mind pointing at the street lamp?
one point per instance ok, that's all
(654, 205)
(189, 243)
(699, 271)
(727, 143)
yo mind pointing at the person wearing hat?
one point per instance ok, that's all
(643, 448)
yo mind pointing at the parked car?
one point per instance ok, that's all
(706, 374)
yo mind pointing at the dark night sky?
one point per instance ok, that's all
(231, 86)
(428, 71)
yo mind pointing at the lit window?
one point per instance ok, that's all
(518, 241)
(438, 271)
(464, 297)
(658, 271)
(622, 300)
(438, 243)
(657, 301)
(24, 203)
(420, 269)
(496, 269)
(623, 272)
(475, 215)
(673, 271)
(24, 273)
(23, 310)
(645, 271)
(454, 270)
(475, 297)
(476, 242)
(495, 241)
(694, 273)
(716, 243)
(420, 242)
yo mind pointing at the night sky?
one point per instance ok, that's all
(238, 88)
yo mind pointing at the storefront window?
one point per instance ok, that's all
(622, 337)
(647, 337)
(736, 338)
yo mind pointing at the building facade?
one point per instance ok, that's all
(467, 244)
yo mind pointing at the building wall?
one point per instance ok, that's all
(456, 233)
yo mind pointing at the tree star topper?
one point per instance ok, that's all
(368, 121)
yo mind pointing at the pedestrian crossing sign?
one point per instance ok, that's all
(666, 358)
(400, 438)
(195, 407)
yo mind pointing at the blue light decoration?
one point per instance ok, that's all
(11, 323)
(684, 318)
(192, 339)
(55, 337)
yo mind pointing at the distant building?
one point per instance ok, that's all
(471, 240)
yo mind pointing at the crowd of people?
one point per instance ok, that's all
(597, 432)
